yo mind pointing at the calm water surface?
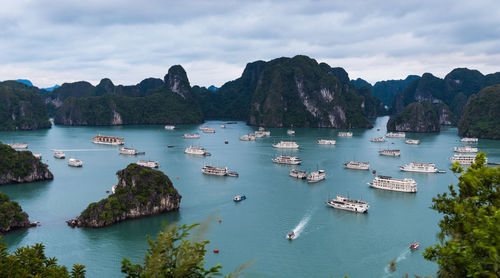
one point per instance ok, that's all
(330, 242)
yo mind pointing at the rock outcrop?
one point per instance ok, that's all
(140, 192)
(481, 116)
(416, 117)
(21, 167)
(12, 217)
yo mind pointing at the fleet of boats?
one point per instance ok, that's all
(412, 141)
(326, 142)
(73, 162)
(286, 145)
(316, 176)
(389, 183)
(286, 159)
(148, 163)
(390, 152)
(465, 149)
(395, 135)
(107, 140)
(344, 203)
(345, 134)
(357, 165)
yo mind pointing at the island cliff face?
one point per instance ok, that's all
(21, 167)
(416, 117)
(140, 192)
(12, 217)
(481, 116)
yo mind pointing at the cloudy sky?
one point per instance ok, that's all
(56, 41)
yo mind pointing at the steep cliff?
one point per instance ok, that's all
(12, 217)
(481, 116)
(21, 107)
(416, 117)
(140, 192)
(21, 167)
(150, 102)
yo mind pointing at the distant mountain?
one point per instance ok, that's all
(360, 83)
(213, 88)
(50, 89)
(386, 90)
(25, 81)
(481, 115)
(152, 101)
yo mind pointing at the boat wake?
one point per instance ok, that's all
(402, 256)
(302, 224)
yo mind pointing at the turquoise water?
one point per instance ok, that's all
(330, 242)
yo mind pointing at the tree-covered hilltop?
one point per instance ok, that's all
(21, 166)
(481, 116)
(21, 107)
(12, 216)
(416, 117)
(140, 192)
(152, 101)
(386, 90)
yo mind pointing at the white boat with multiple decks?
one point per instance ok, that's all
(73, 162)
(196, 151)
(298, 174)
(170, 127)
(108, 140)
(412, 141)
(465, 149)
(59, 155)
(127, 151)
(345, 133)
(215, 171)
(389, 183)
(18, 146)
(469, 140)
(344, 203)
(395, 135)
(465, 159)
(191, 136)
(357, 165)
(260, 134)
(286, 159)
(248, 137)
(148, 163)
(390, 152)
(286, 145)
(378, 139)
(316, 176)
(290, 132)
(420, 167)
(326, 142)
(207, 129)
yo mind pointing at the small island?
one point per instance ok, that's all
(12, 216)
(21, 167)
(140, 192)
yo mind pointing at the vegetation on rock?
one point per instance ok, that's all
(481, 115)
(416, 117)
(12, 216)
(21, 166)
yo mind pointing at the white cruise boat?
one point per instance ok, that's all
(259, 134)
(215, 171)
(285, 159)
(170, 127)
(378, 139)
(420, 167)
(196, 151)
(107, 140)
(191, 136)
(73, 162)
(18, 145)
(298, 174)
(148, 163)
(316, 176)
(345, 133)
(59, 155)
(357, 165)
(127, 151)
(396, 135)
(346, 204)
(207, 129)
(465, 149)
(390, 152)
(326, 142)
(290, 132)
(286, 145)
(469, 140)
(412, 141)
(389, 183)
(248, 137)
(465, 159)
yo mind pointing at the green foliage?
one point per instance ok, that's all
(416, 117)
(481, 115)
(386, 90)
(31, 261)
(17, 163)
(172, 254)
(11, 213)
(21, 107)
(469, 240)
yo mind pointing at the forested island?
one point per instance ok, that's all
(21, 167)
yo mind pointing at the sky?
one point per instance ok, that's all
(55, 41)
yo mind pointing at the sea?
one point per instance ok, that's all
(251, 233)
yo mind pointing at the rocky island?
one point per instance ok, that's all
(12, 216)
(481, 116)
(140, 192)
(21, 166)
(416, 117)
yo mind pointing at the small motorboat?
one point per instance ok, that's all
(290, 236)
(414, 246)
(170, 146)
(226, 142)
(233, 174)
(239, 198)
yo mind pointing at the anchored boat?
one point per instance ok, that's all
(285, 159)
(390, 152)
(148, 163)
(196, 151)
(298, 174)
(18, 145)
(412, 141)
(465, 149)
(59, 155)
(326, 142)
(170, 127)
(357, 165)
(344, 203)
(316, 176)
(389, 183)
(191, 136)
(286, 145)
(396, 135)
(75, 162)
(107, 140)
(248, 137)
(465, 159)
(421, 167)
(378, 139)
(469, 140)
(345, 134)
